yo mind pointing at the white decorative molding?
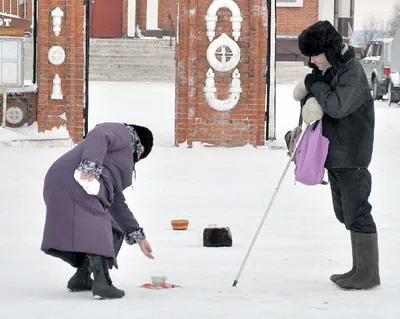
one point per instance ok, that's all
(289, 3)
(57, 14)
(57, 94)
(228, 51)
(234, 92)
(56, 55)
(14, 115)
(212, 18)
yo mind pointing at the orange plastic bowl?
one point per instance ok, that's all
(179, 224)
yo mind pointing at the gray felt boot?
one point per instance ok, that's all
(81, 280)
(367, 264)
(102, 284)
(336, 277)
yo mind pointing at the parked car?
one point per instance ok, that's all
(360, 51)
(394, 77)
(376, 64)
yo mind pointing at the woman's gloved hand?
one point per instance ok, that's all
(300, 91)
(312, 111)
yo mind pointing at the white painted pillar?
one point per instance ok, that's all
(344, 8)
(131, 18)
(152, 15)
(326, 10)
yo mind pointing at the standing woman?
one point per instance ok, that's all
(339, 85)
(87, 218)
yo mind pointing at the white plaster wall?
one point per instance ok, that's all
(344, 8)
(152, 15)
(326, 10)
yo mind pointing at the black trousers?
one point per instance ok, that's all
(351, 188)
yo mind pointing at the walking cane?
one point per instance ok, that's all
(236, 281)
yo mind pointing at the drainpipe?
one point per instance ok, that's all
(87, 48)
(336, 14)
(270, 108)
(34, 41)
(352, 14)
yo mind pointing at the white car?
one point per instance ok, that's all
(394, 76)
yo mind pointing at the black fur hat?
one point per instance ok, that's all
(322, 37)
(146, 138)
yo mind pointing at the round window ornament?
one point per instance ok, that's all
(56, 55)
(14, 115)
(223, 54)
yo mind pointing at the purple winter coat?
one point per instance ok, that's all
(77, 222)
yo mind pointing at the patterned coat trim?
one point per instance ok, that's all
(136, 144)
(91, 168)
(134, 235)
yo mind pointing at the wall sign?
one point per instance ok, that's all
(11, 62)
(13, 26)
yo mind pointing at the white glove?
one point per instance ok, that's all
(92, 187)
(299, 91)
(312, 111)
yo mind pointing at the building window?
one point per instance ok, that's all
(289, 3)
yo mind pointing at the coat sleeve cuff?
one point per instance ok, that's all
(134, 235)
(91, 168)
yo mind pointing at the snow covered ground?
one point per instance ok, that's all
(287, 274)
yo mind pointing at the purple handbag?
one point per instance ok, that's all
(311, 155)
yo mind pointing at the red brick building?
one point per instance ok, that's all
(157, 18)
(119, 18)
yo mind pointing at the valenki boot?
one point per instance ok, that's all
(81, 280)
(367, 264)
(336, 277)
(102, 284)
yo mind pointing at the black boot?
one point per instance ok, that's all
(81, 280)
(102, 285)
(336, 277)
(367, 264)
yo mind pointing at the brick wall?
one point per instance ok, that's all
(26, 101)
(141, 9)
(124, 17)
(164, 8)
(71, 71)
(291, 21)
(16, 9)
(195, 120)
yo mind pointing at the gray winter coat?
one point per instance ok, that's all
(349, 118)
(77, 221)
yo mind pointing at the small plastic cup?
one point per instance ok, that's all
(158, 280)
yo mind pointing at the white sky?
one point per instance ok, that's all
(379, 8)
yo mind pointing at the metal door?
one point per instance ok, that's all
(105, 18)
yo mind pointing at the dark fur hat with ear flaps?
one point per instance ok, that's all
(146, 138)
(322, 37)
